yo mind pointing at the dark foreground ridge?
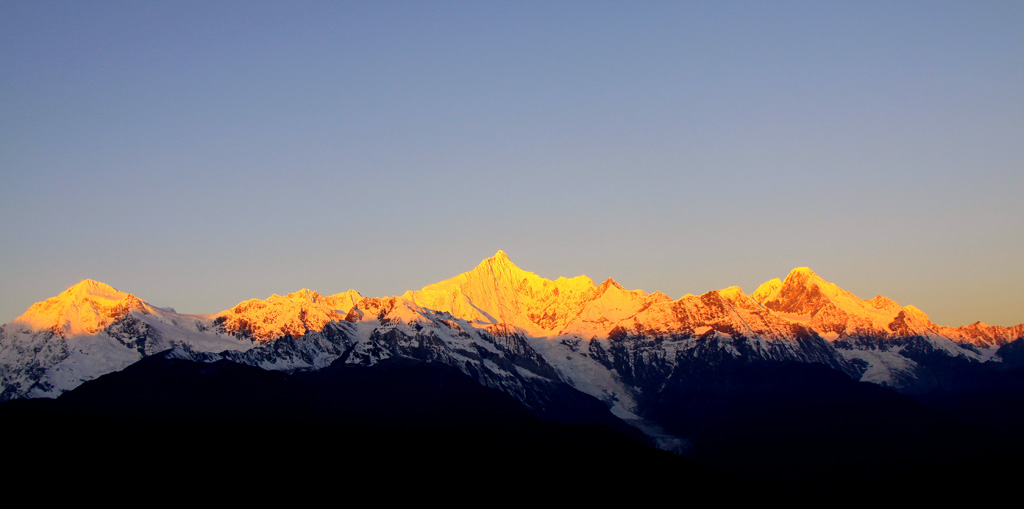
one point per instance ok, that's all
(400, 423)
(760, 430)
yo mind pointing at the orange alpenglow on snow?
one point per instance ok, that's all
(493, 310)
(293, 314)
(85, 308)
(499, 293)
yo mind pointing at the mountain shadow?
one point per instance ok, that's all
(404, 420)
(783, 425)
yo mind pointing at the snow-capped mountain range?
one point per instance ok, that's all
(507, 328)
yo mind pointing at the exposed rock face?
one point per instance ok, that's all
(89, 330)
(533, 338)
(291, 315)
(84, 309)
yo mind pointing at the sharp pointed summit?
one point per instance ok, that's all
(493, 309)
(610, 283)
(499, 263)
(498, 291)
(499, 258)
(802, 292)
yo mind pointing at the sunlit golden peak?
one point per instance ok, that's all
(803, 276)
(305, 294)
(768, 290)
(732, 293)
(801, 271)
(500, 259)
(91, 286)
(915, 313)
(611, 283)
(84, 308)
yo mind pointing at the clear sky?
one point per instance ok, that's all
(202, 153)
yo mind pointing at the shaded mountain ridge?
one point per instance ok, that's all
(509, 329)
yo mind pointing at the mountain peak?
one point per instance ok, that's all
(802, 292)
(768, 290)
(92, 287)
(732, 292)
(609, 283)
(498, 291)
(84, 308)
(294, 314)
(499, 260)
(306, 295)
(915, 313)
(802, 273)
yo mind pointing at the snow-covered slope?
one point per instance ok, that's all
(84, 309)
(889, 340)
(497, 291)
(89, 330)
(509, 329)
(291, 315)
(806, 297)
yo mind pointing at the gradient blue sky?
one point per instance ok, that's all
(201, 153)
